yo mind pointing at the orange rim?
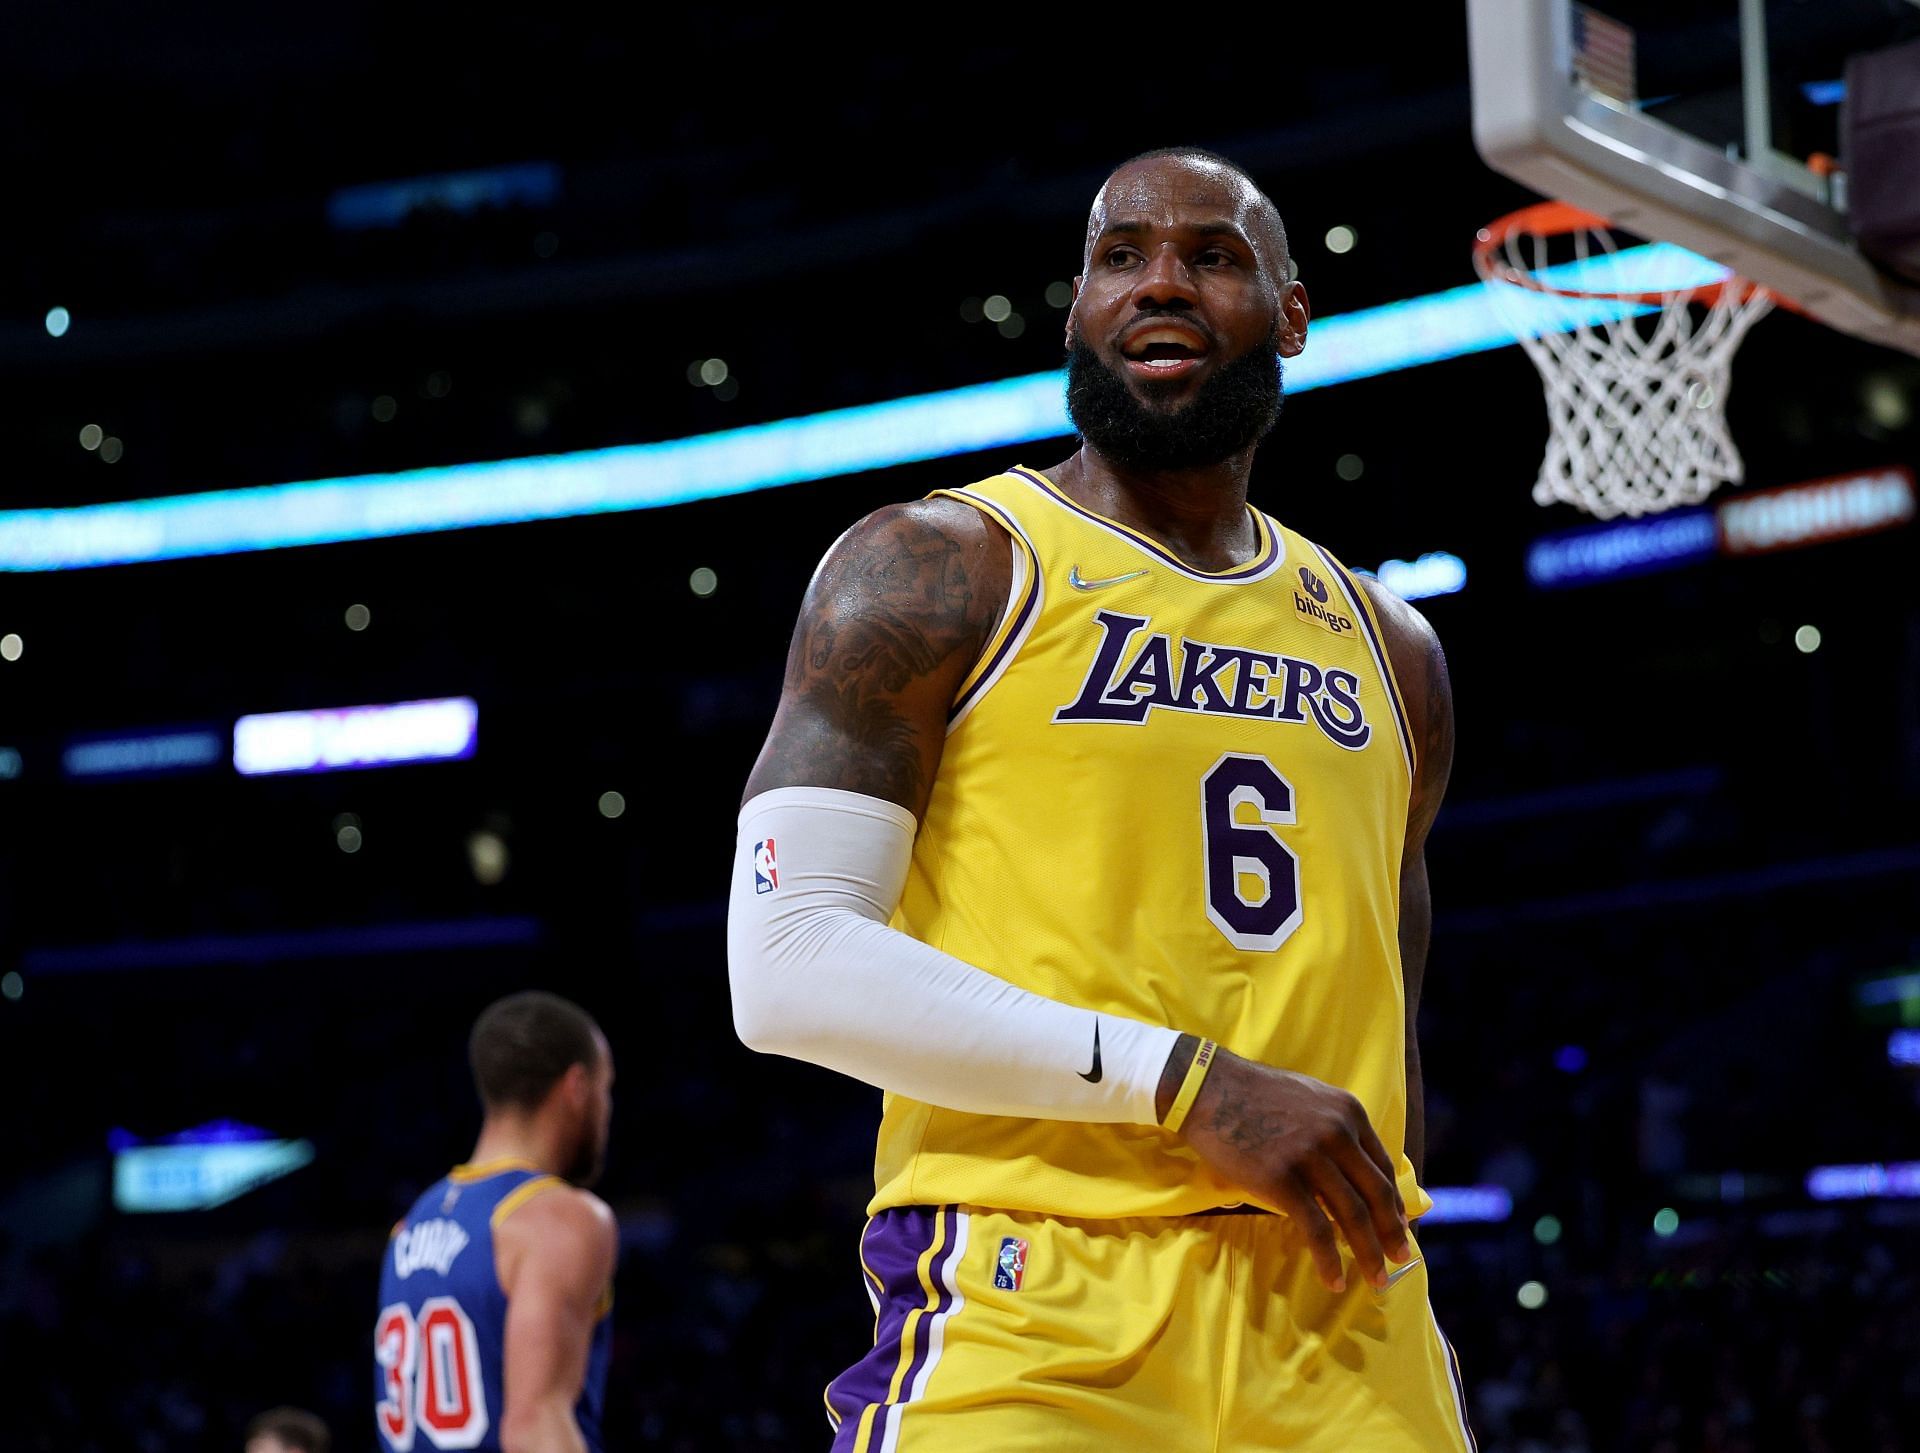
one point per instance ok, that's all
(1561, 219)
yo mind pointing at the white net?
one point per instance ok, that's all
(1636, 387)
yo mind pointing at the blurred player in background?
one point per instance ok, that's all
(288, 1430)
(1085, 784)
(496, 1289)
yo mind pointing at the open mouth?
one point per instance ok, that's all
(1164, 351)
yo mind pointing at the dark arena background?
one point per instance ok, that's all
(1671, 1024)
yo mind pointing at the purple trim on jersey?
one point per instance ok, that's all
(1263, 563)
(1380, 659)
(1027, 607)
(894, 1242)
(1459, 1391)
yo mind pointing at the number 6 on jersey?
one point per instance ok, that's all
(1242, 854)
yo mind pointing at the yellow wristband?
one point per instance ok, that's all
(1190, 1086)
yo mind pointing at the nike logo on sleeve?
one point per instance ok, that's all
(1092, 1076)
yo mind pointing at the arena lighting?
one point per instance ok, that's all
(196, 1176)
(1903, 1047)
(1435, 573)
(1899, 1180)
(389, 204)
(348, 737)
(144, 754)
(1469, 1203)
(1899, 989)
(969, 420)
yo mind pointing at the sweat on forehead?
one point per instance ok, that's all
(1154, 180)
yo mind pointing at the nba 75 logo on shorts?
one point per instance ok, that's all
(766, 869)
(1011, 1269)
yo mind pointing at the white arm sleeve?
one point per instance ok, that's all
(818, 975)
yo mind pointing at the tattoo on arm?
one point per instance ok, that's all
(897, 614)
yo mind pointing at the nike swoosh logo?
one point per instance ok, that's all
(1073, 579)
(1400, 1271)
(1092, 1076)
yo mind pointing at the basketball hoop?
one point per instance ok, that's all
(1636, 386)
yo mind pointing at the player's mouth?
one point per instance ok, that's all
(1164, 350)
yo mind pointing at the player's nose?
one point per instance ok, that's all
(1164, 281)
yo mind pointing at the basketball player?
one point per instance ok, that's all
(496, 1287)
(1091, 828)
(288, 1430)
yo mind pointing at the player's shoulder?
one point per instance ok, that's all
(562, 1223)
(941, 520)
(559, 1207)
(1402, 625)
(939, 549)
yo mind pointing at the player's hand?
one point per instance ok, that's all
(1309, 1149)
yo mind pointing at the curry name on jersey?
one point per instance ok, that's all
(439, 1341)
(1176, 796)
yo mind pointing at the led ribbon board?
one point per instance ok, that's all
(356, 736)
(1786, 518)
(1001, 415)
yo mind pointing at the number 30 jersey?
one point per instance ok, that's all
(1172, 796)
(439, 1343)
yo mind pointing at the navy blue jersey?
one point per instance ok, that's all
(439, 1344)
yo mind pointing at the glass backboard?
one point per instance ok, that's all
(1713, 124)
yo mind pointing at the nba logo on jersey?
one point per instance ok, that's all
(766, 871)
(1011, 1269)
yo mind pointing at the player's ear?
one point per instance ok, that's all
(577, 1083)
(1295, 313)
(1068, 326)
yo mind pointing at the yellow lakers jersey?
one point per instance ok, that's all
(1174, 796)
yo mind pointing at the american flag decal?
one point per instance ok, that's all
(1603, 54)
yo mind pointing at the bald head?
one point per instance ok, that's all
(1160, 179)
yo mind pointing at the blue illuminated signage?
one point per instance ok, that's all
(341, 738)
(1435, 573)
(1469, 1203)
(1625, 547)
(200, 1168)
(1899, 1179)
(1756, 523)
(144, 753)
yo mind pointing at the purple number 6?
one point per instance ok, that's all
(1236, 851)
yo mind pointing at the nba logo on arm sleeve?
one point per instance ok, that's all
(766, 869)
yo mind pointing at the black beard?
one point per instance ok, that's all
(1231, 411)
